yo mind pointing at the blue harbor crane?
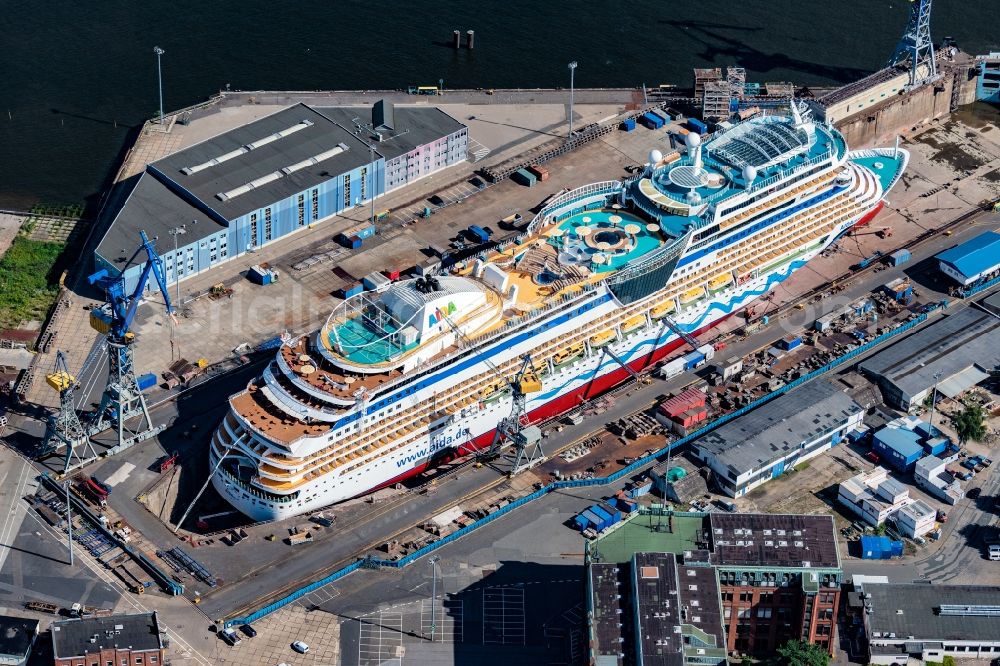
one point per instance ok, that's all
(123, 400)
(916, 46)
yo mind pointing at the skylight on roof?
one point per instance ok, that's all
(246, 148)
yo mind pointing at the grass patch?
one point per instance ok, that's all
(29, 282)
(58, 210)
(802, 466)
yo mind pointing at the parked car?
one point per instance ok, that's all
(230, 637)
(969, 463)
(300, 647)
(942, 517)
(973, 493)
(986, 462)
(965, 476)
(248, 630)
(872, 456)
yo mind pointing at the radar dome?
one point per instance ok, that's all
(749, 173)
(654, 157)
(692, 140)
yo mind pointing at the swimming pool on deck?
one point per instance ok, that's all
(607, 240)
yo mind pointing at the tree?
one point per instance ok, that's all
(970, 424)
(801, 653)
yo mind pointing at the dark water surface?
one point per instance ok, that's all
(77, 77)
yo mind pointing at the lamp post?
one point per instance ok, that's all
(159, 77)
(572, 70)
(937, 376)
(175, 232)
(433, 562)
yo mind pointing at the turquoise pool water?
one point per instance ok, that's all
(645, 241)
(362, 344)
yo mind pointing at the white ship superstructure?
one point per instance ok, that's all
(397, 379)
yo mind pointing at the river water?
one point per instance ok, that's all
(77, 77)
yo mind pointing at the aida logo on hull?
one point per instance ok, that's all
(437, 444)
(440, 313)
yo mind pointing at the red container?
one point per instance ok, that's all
(392, 274)
(540, 172)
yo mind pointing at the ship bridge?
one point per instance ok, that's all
(681, 191)
(411, 321)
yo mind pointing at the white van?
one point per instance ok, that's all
(994, 552)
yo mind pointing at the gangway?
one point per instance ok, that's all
(675, 327)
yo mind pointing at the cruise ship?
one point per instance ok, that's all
(606, 275)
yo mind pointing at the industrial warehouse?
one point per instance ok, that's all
(238, 191)
(778, 436)
(950, 356)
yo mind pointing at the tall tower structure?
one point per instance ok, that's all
(916, 44)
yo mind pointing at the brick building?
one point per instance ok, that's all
(118, 640)
(720, 584)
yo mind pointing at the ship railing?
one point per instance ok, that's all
(256, 492)
(624, 473)
(593, 189)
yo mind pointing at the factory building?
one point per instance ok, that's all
(956, 352)
(761, 445)
(974, 260)
(131, 640)
(928, 622)
(690, 588)
(265, 180)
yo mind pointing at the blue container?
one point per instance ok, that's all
(478, 233)
(696, 125)
(353, 290)
(790, 342)
(350, 242)
(146, 381)
(651, 121)
(629, 124)
(936, 446)
(606, 520)
(642, 489)
(595, 520)
(581, 522)
(895, 548)
(615, 514)
(873, 547)
(693, 359)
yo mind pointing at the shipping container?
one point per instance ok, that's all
(693, 359)
(899, 257)
(376, 282)
(641, 489)
(651, 121)
(595, 521)
(262, 275)
(350, 242)
(612, 511)
(628, 124)
(146, 381)
(428, 267)
(790, 342)
(662, 115)
(697, 126)
(478, 233)
(524, 177)
(352, 290)
(539, 172)
(581, 522)
(392, 273)
(362, 231)
(672, 368)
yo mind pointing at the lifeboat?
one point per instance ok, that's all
(662, 310)
(602, 339)
(567, 355)
(635, 322)
(720, 282)
(692, 295)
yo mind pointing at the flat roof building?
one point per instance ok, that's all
(700, 586)
(749, 451)
(253, 184)
(973, 260)
(133, 640)
(928, 622)
(959, 350)
(17, 637)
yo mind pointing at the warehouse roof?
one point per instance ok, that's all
(153, 208)
(904, 442)
(916, 610)
(967, 337)
(975, 256)
(777, 428)
(776, 540)
(412, 126)
(260, 163)
(72, 638)
(16, 635)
